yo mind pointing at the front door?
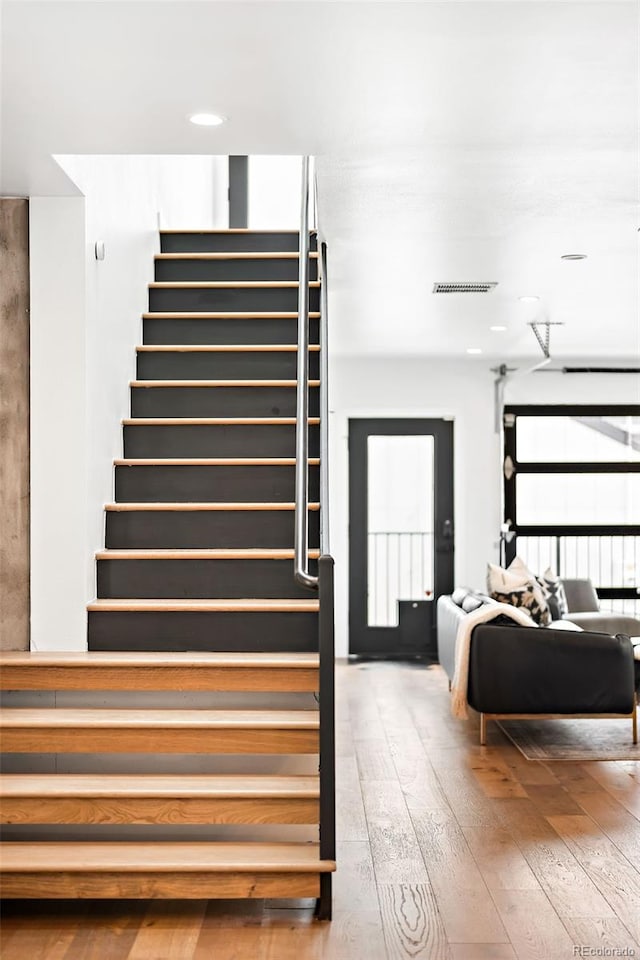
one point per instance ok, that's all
(400, 534)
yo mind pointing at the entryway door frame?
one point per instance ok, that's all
(396, 642)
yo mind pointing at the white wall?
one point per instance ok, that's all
(275, 183)
(60, 574)
(463, 390)
(125, 198)
(407, 387)
(555, 387)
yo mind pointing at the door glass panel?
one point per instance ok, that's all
(578, 439)
(399, 524)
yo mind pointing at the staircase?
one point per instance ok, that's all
(204, 705)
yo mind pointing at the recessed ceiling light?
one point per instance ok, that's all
(528, 299)
(206, 119)
(474, 350)
(573, 256)
(498, 328)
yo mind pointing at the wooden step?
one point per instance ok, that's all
(227, 284)
(186, 437)
(219, 383)
(206, 398)
(223, 348)
(231, 255)
(195, 361)
(214, 421)
(247, 626)
(185, 265)
(227, 315)
(225, 231)
(189, 525)
(219, 325)
(199, 573)
(207, 606)
(256, 672)
(184, 506)
(210, 479)
(213, 462)
(208, 554)
(231, 295)
(192, 436)
(159, 731)
(149, 799)
(151, 870)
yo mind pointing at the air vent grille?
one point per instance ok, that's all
(481, 287)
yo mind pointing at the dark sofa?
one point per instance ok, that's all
(517, 672)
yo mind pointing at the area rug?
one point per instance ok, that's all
(572, 739)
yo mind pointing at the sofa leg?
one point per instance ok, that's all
(483, 730)
(634, 721)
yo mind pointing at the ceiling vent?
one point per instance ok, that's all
(482, 287)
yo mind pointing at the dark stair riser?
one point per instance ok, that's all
(211, 365)
(216, 299)
(237, 631)
(199, 579)
(225, 331)
(262, 268)
(211, 484)
(193, 529)
(219, 402)
(248, 242)
(215, 441)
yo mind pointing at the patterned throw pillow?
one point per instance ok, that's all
(554, 594)
(518, 587)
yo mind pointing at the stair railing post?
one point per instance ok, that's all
(301, 562)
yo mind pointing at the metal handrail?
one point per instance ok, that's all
(301, 561)
(324, 404)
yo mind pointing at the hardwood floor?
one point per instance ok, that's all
(447, 851)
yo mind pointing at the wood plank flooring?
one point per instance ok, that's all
(446, 851)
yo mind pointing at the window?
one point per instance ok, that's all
(572, 495)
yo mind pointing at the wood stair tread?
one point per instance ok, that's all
(205, 606)
(218, 383)
(203, 671)
(239, 255)
(227, 284)
(219, 553)
(223, 421)
(194, 660)
(221, 231)
(179, 719)
(169, 857)
(226, 315)
(151, 785)
(223, 348)
(183, 506)
(212, 462)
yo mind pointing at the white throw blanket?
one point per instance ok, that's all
(489, 611)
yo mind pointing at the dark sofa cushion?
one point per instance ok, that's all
(516, 669)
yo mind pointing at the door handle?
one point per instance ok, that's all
(447, 530)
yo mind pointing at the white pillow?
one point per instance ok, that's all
(518, 586)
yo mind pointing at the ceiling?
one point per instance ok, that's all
(455, 141)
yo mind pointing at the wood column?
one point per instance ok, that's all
(14, 425)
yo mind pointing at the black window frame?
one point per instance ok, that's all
(512, 467)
